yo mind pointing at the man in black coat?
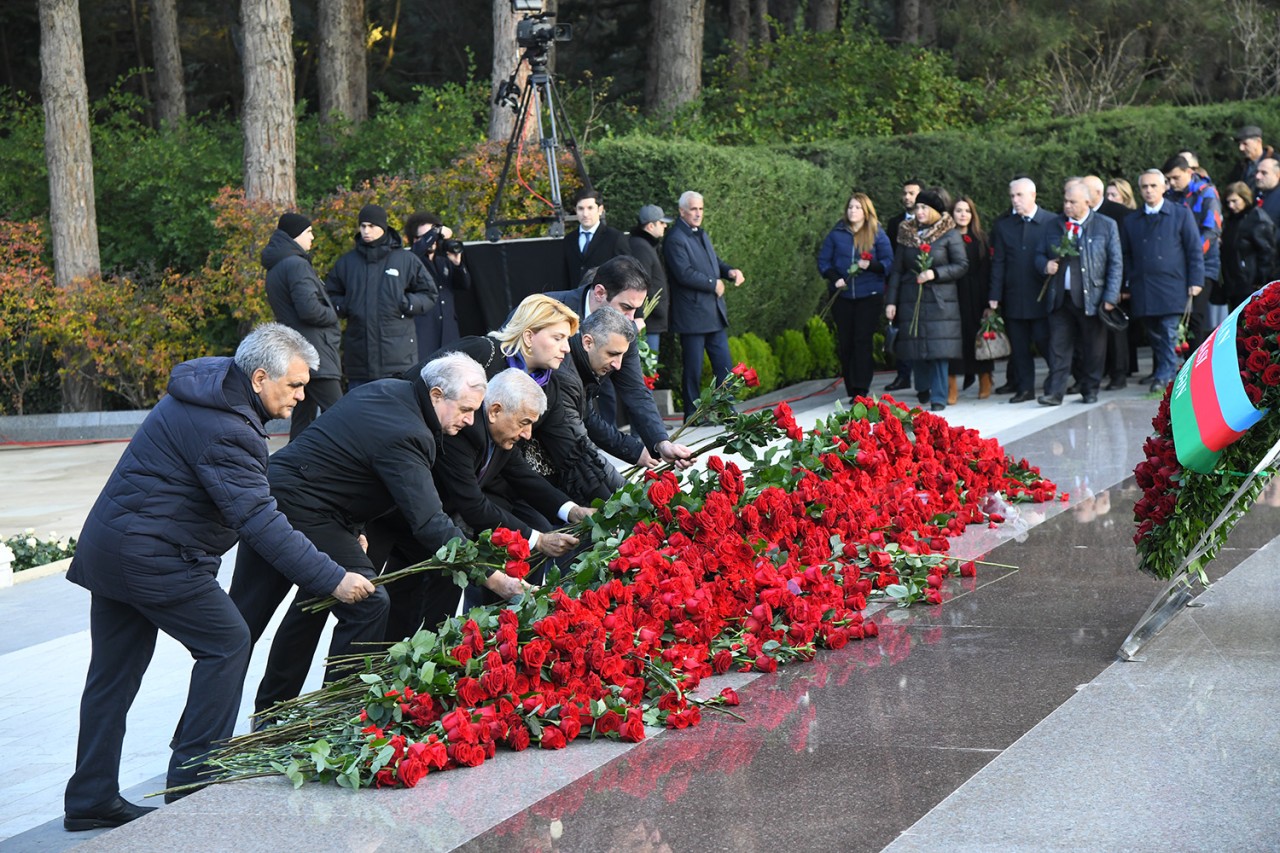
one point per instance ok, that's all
(594, 353)
(379, 287)
(486, 483)
(646, 238)
(1252, 153)
(911, 188)
(373, 452)
(1081, 285)
(594, 242)
(621, 284)
(698, 312)
(1117, 358)
(190, 484)
(1016, 285)
(298, 299)
(1268, 192)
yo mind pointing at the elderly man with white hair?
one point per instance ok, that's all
(698, 313)
(1017, 286)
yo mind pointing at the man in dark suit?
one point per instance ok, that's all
(1117, 359)
(911, 188)
(1080, 286)
(1166, 268)
(621, 284)
(698, 313)
(1016, 285)
(486, 483)
(371, 453)
(594, 242)
(191, 483)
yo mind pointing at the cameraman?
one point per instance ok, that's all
(433, 243)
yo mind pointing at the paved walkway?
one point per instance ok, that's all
(1087, 449)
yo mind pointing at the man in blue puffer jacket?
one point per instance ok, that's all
(190, 485)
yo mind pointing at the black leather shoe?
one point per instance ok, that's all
(1050, 400)
(1006, 388)
(937, 407)
(1023, 397)
(1117, 384)
(1089, 398)
(1073, 388)
(897, 384)
(115, 814)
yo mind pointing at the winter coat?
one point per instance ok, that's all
(1164, 259)
(1015, 284)
(371, 453)
(190, 484)
(972, 291)
(937, 334)
(298, 299)
(607, 242)
(644, 248)
(693, 267)
(438, 328)
(580, 471)
(1201, 198)
(1248, 253)
(1101, 260)
(837, 257)
(379, 288)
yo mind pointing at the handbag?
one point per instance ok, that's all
(992, 341)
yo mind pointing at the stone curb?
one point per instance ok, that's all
(11, 578)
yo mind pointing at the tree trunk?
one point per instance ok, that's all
(909, 21)
(68, 153)
(343, 74)
(269, 128)
(171, 95)
(785, 13)
(675, 54)
(760, 19)
(823, 15)
(502, 119)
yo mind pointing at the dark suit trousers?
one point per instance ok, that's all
(322, 395)
(857, 321)
(418, 601)
(1072, 333)
(716, 346)
(1022, 334)
(124, 638)
(257, 590)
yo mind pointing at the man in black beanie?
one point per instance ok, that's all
(299, 301)
(379, 287)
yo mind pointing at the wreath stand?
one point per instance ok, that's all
(1177, 594)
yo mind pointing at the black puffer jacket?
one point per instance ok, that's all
(379, 288)
(192, 481)
(1248, 253)
(937, 328)
(580, 471)
(298, 300)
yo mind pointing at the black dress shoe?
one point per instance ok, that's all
(1050, 400)
(1150, 377)
(1023, 397)
(1089, 398)
(115, 814)
(897, 384)
(1006, 388)
(937, 407)
(1117, 384)
(1073, 388)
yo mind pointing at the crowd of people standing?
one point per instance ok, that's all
(1174, 259)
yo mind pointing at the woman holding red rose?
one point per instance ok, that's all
(971, 289)
(922, 287)
(853, 259)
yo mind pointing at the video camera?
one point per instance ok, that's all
(538, 29)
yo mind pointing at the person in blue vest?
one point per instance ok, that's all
(1165, 264)
(1200, 196)
(698, 313)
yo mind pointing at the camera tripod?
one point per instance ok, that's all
(539, 93)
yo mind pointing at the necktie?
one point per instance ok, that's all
(586, 241)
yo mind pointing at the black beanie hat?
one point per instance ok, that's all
(293, 224)
(929, 198)
(373, 214)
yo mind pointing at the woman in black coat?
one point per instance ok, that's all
(922, 288)
(971, 289)
(1248, 245)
